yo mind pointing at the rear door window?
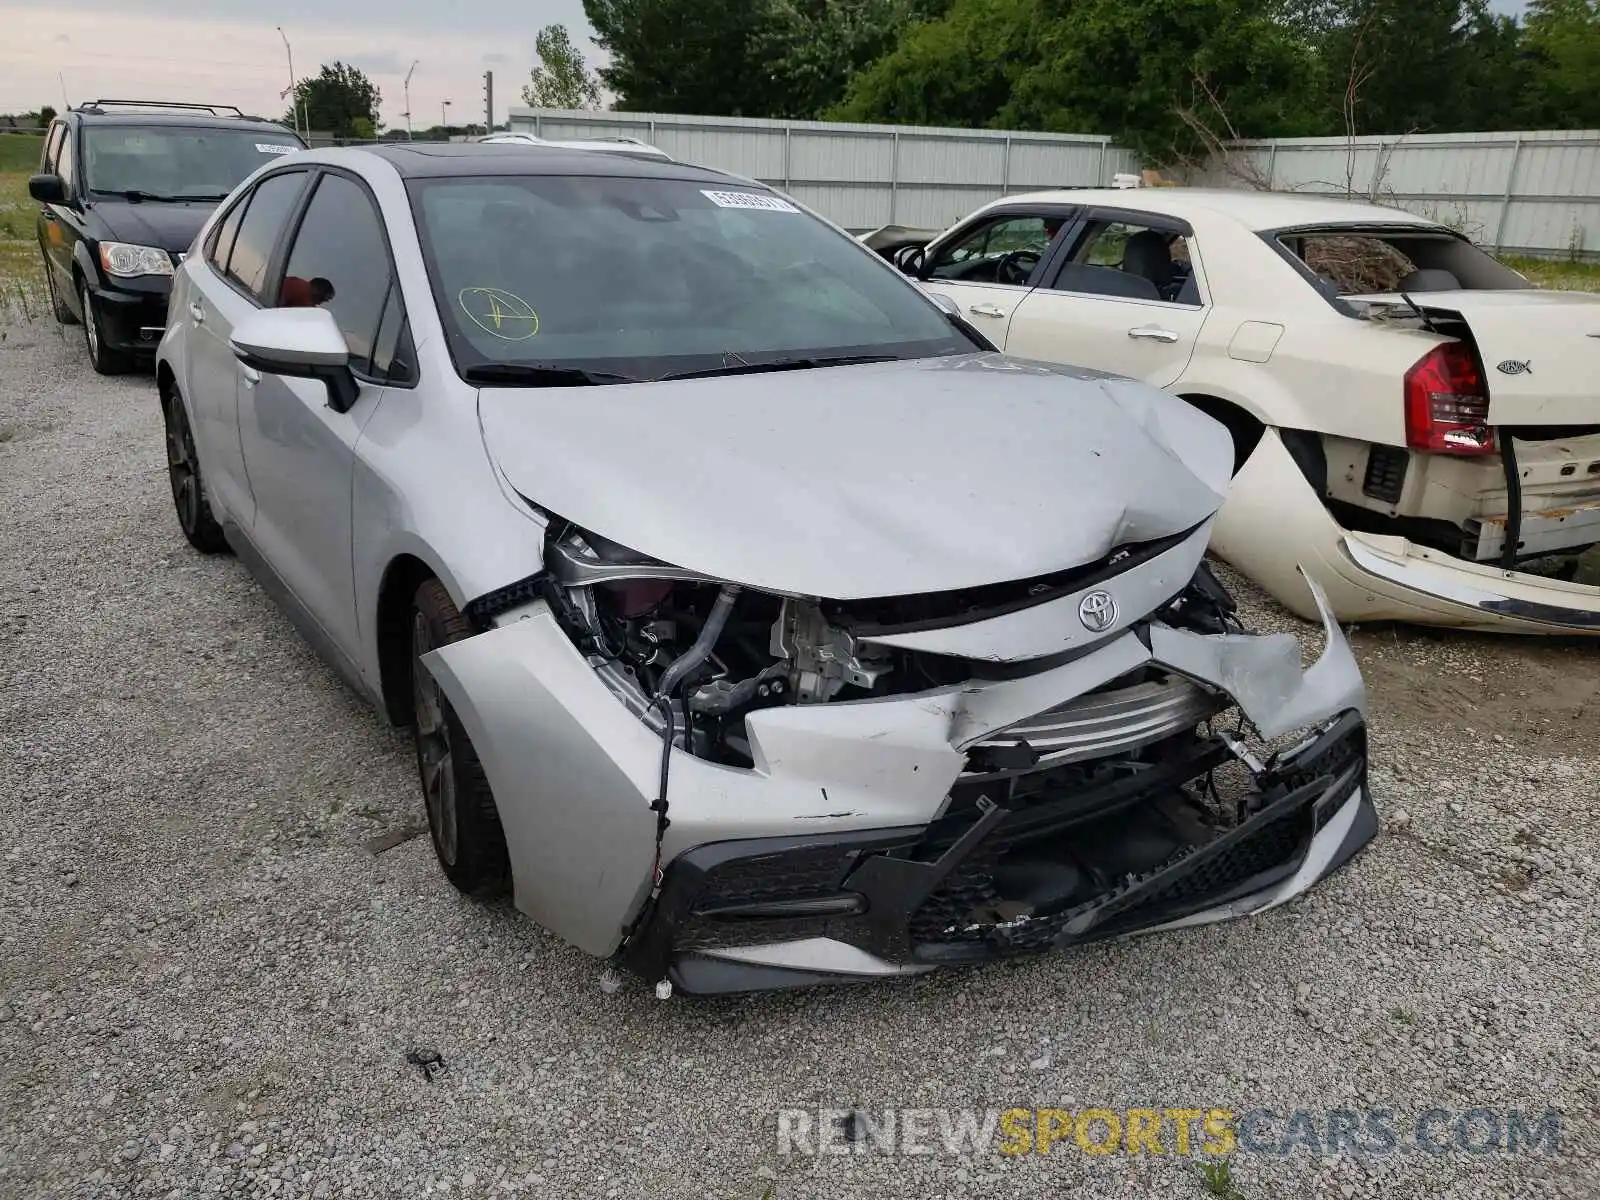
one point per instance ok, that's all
(1131, 260)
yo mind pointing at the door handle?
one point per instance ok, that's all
(251, 376)
(1152, 333)
(197, 314)
(987, 310)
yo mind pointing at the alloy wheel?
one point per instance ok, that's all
(181, 468)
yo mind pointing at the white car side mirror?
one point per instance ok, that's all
(299, 343)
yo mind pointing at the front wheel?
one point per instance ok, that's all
(462, 818)
(102, 358)
(188, 487)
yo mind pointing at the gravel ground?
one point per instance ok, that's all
(220, 936)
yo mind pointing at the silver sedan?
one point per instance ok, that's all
(757, 623)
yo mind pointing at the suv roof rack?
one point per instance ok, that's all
(216, 110)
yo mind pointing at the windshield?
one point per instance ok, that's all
(631, 279)
(172, 161)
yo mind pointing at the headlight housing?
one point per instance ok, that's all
(127, 261)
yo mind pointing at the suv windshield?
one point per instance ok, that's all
(545, 279)
(172, 162)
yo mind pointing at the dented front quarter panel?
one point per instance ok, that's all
(574, 771)
(1263, 673)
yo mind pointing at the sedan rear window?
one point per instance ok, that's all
(644, 277)
(1358, 261)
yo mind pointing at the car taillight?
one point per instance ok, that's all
(1447, 403)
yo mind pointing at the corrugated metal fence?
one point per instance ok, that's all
(1535, 192)
(861, 176)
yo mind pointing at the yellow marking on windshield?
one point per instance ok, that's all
(499, 313)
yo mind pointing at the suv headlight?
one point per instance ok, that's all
(127, 261)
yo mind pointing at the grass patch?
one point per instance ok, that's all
(1557, 275)
(1216, 1176)
(20, 152)
(22, 286)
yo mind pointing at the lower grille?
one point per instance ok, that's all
(1094, 726)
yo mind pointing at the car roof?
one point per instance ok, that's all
(1256, 210)
(432, 160)
(176, 120)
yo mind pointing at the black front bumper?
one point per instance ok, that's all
(989, 880)
(133, 313)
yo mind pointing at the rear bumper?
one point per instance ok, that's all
(1274, 524)
(791, 912)
(1490, 594)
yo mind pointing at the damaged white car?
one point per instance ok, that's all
(758, 624)
(1416, 426)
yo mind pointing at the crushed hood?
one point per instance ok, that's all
(877, 480)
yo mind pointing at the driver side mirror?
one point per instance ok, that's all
(911, 260)
(298, 343)
(48, 189)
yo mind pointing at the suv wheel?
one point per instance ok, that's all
(101, 357)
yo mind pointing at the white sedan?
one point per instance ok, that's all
(1415, 424)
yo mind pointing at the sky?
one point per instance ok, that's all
(136, 49)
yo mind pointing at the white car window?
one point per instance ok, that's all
(1131, 261)
(1004, 250)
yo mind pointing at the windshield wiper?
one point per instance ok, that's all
(541, 375)
(781, 364)
(139, 195)
(135, 195)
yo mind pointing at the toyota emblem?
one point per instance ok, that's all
(1098, 611)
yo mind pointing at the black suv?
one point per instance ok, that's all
(124, 187)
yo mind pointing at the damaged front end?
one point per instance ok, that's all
(736, 790)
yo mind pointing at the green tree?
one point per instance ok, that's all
(958, 69)
(1563, 37)
(815, 47)
(47, 113)
(1163, 76)
(688, 56)
(561, 80)
(340, 101)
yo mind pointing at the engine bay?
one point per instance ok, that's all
(692, 656)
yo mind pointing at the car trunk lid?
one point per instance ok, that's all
(1540, 350)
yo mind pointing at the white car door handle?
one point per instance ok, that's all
(1152, 333)
(987, 310)
(197, 314)
(251, 376)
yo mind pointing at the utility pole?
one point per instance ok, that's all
(488, 103)
(444, 118)
(413, 67)
(294, 99)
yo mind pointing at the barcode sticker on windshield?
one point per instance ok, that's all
(269, 148)
(753, 200)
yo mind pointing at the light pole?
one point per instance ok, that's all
(294, 100)
(407, 85)
(444, 118)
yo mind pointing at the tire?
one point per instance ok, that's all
(188, 484)
(102, 358)
(60, 308)
(462, 819)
